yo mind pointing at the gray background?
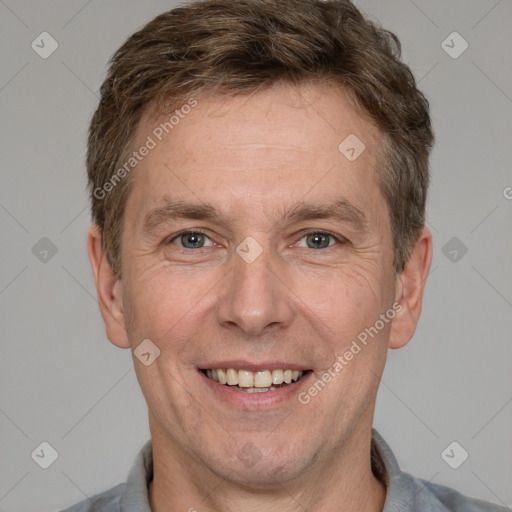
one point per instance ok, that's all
(62, 382)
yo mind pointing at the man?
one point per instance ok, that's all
(258, 173)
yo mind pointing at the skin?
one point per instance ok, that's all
(253, 158)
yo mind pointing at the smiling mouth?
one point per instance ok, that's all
(254, 382)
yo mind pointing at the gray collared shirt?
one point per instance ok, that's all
(404, 493)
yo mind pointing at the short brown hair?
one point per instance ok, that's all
(239, 47)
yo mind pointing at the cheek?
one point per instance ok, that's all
(149, 304)
(343, 303)
(356, 290)
(166, 305)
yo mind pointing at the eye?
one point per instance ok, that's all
(191, 239)
(320, 239)
(197, 239)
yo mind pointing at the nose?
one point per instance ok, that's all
(255, 296)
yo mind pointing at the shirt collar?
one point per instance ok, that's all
(136, 497)
(404, 492)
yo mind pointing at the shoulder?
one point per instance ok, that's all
(107, 501)
(454, 501)
(410, 494)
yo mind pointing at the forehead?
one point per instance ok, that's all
(261, 151)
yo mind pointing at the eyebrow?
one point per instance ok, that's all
(341, 211)
(178, 209)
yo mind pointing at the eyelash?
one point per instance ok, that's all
(303, 234)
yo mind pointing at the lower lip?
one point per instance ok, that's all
(255, 401)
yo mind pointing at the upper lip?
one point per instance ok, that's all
(240, 364)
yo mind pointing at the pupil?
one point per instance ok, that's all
(193, 239)
(317, 239)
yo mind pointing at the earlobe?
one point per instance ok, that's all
(409, 290)
(108, 289)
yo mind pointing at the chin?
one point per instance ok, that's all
(263, 467)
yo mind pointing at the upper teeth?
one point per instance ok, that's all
(248, 379)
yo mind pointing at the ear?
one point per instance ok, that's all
(108, 288)
(409, 291)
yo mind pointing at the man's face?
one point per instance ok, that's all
(292, 296)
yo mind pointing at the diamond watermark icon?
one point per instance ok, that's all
(44, 250)
(454, 455)
(352, 147)
(454, 45)
(249, 454)
(45, 455)
(454, 250)
(249, 249)
(44, 45)
(146, 352)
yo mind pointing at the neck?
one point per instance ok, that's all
(344, 482)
